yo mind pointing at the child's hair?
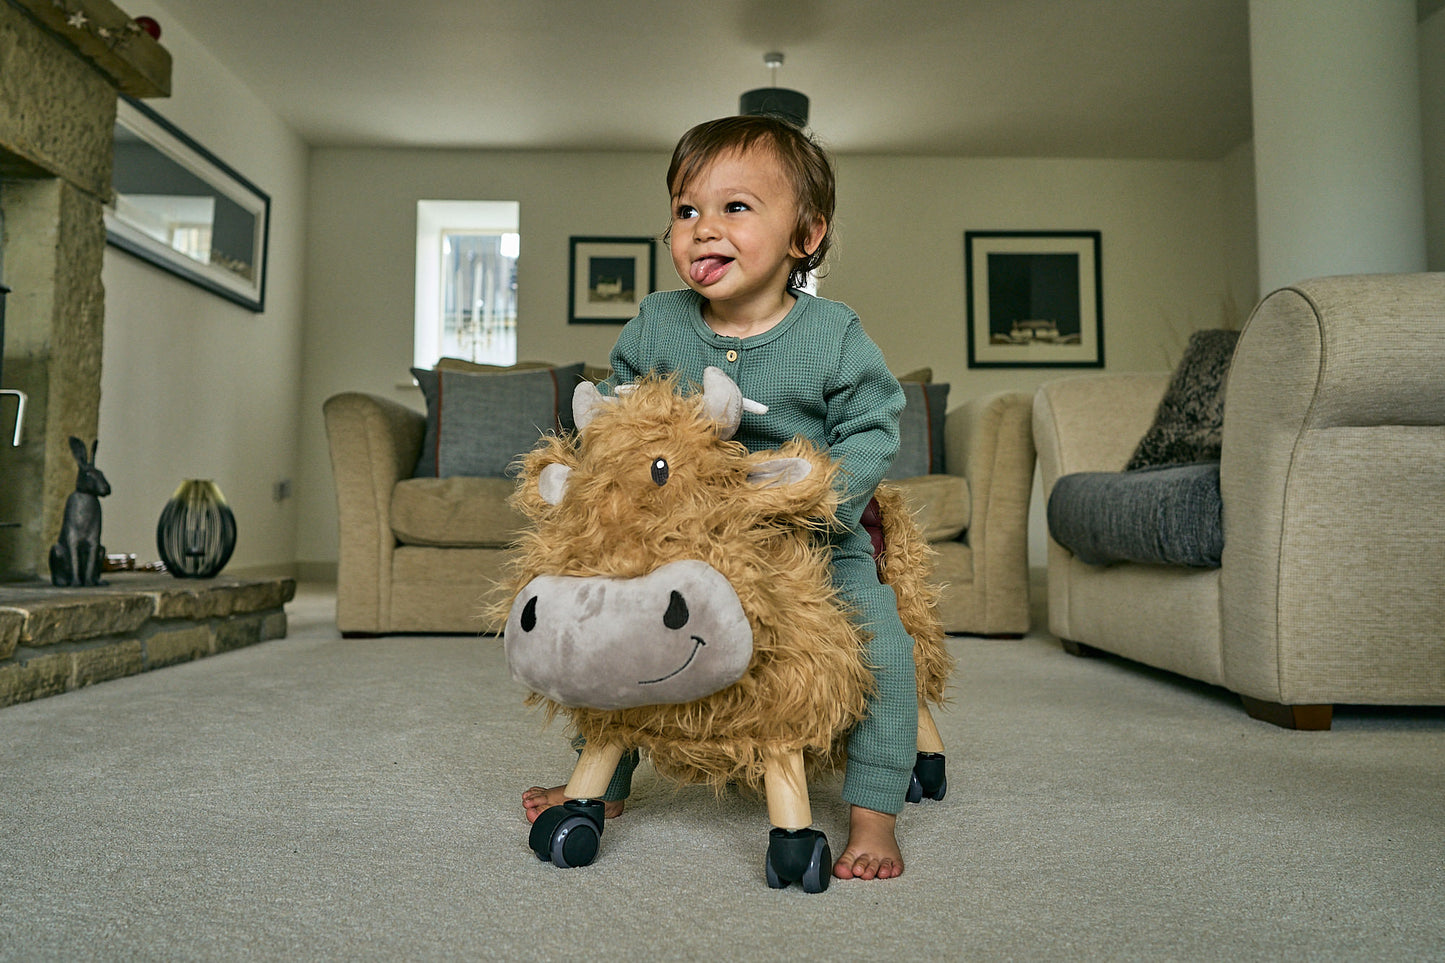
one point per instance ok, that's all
(804, 162)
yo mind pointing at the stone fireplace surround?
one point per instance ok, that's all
(54, 640)
(62, 65)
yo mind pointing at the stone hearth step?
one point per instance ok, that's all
(53, 639)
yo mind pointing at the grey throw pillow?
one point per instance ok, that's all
(477, 424)
(920, 430)
(1190, 421)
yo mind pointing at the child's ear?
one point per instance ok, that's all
(816, 231)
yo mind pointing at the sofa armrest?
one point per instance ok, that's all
(1093, 422)
(1334, 493)
(374, 444)
(1087, 423)
(989, 441)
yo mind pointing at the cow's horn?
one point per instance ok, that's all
(586, 402)
(723, 401)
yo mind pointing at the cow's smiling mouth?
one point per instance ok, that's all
(697, 644)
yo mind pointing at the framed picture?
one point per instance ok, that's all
(181, 208)
(1035, 299)
(610, 276)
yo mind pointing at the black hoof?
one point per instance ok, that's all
(799, 856)
(929, 781)
(570, 834)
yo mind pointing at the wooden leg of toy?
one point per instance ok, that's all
(928, 738)
(787, 791)
(569, 835)
(929, 780)
(797, 853)
(594, 770)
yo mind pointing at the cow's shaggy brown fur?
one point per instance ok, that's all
(807, 684)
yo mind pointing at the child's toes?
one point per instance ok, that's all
(853, 865)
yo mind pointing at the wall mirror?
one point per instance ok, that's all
(184, 210)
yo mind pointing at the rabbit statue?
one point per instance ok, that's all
(75, 558)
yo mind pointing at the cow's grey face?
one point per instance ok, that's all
(675, 635)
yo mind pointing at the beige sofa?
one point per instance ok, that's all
(1332, 582)
(421, 554)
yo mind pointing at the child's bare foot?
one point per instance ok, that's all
(872, 851)
(537, 800)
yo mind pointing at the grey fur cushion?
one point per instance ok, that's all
(1190, 420)
(1162, 516)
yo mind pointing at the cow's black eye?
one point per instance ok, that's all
(676, 615)
(659, 471)
(529, 615)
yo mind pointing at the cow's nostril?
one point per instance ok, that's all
(529, 615)
(676, 615)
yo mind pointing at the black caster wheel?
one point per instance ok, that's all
(568, 835)
(799, 856)
(929, 780)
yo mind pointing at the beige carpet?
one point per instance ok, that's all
(314, 799)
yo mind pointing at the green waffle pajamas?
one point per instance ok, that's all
(822, 378)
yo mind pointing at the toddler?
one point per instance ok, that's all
(752, 216)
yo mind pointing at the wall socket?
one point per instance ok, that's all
(281, 490)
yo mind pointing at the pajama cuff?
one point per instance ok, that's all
(874, 787)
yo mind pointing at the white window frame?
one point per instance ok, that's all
(433, 218)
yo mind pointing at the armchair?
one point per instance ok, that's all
(421, 554)
(1331, 587)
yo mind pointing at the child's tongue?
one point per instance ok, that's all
(709, 269)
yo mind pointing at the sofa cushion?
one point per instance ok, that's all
(478, 422)
(920, 430)
(1163, 516)
(939, 504)
(1190, 421)
(454, 512)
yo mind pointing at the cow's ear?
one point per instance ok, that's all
(587, 401)
(796, 484)
(776, 472)
(552, 482)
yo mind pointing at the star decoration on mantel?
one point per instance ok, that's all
(76, 19)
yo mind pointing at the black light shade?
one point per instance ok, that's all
(776, 102)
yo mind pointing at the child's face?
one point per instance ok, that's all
(732, 230)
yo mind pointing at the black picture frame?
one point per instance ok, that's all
(1035, 299)
(166, 185)
(608, 277)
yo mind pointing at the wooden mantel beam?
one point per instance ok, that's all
(106, 36)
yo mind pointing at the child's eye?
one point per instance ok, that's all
(685, 212)
(735, 207)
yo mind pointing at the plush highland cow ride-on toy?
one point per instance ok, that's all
(672, 596)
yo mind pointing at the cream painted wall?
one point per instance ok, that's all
(899, 261)
(192, 385)
(900, 264)
(1337, 137)
(1242, 243)
(1432, 125)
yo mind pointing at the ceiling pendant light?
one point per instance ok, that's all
(776, 101)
